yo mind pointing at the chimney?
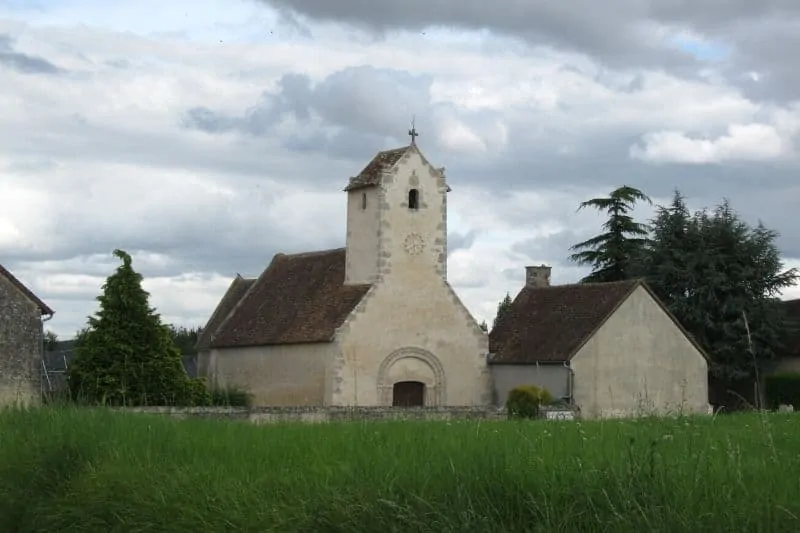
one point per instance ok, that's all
(537, 276)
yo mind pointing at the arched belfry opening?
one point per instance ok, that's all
(413, 199)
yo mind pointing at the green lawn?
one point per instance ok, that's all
(65, 470)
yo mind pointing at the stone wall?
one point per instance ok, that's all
(262, 415)
(20, 346)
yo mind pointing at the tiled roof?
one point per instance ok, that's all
(233, 295)
(549, 324)
(371, 175)
(43, 307)
(299, 298)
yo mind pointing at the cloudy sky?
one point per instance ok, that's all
(203, 136)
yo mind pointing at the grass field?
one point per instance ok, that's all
(67, 470)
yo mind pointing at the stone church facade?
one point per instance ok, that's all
(373, 324)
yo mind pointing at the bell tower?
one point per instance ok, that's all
(397, 217)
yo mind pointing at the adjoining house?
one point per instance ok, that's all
(375, 323)
(21, 341)
(611, 349)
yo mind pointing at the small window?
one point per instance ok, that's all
(413, 199)
(363, 200)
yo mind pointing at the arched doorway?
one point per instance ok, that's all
(419, 375)
(408, 394)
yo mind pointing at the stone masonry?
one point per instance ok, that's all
(21, 334)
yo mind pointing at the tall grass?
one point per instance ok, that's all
(71, 470)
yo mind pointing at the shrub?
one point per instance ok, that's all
(524, 401)
(196, 393)
(231, 396)
(782, 388)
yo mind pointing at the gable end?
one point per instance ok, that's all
(44, 309)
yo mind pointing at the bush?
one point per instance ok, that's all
(232, 397)
(196, 393)
(524, 401)
(782, 388)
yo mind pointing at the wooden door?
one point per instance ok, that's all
(408, 394)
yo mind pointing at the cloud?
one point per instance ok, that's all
(368, 101)
(679, 36)
(205, 136)
(24, 63)
(743, 142)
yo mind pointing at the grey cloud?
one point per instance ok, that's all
(531, 160)
(461, 241)
(755, 35)
(366, 100)
(84, 140)
(611, 34)
(27, 64)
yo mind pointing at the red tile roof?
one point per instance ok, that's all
(299, 298)
(43, 307)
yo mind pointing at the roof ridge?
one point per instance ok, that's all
(310, 253)
(590, 284)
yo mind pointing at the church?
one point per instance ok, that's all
(373, 323)
(376, 323)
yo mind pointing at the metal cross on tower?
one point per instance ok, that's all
(413, 132)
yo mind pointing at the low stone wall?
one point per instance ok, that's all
(262, 415)
(265, 415)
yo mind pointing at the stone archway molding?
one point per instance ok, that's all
(436, 394)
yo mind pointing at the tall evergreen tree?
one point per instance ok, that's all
(721, 278)
(670, 253)
(502, 308)
(126, 356)
(615, 254)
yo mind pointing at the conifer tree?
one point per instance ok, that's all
(721, 278)
(672, 253)
(126, 356)
(502, 308)
(615, 254)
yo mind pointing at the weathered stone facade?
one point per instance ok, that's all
(21, 335)
(409, 327)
